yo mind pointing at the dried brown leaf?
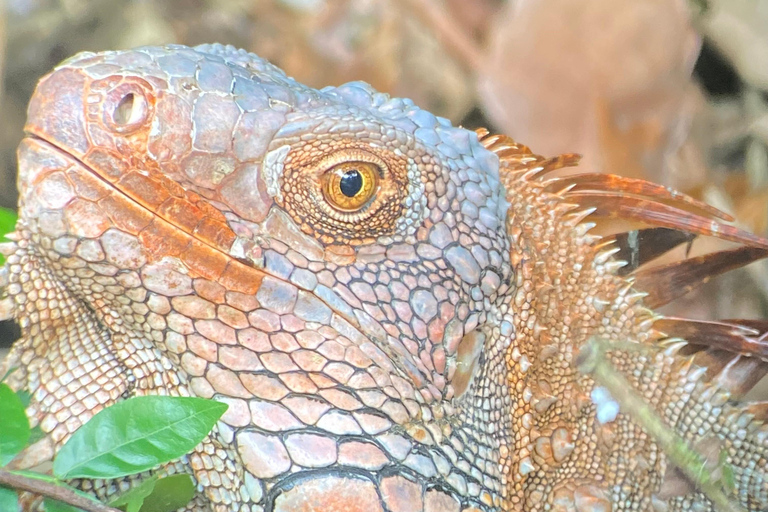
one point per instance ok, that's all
(607, 78)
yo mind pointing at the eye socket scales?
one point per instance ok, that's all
(344, 191)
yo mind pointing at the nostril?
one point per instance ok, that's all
(130, 110)
(124, 110)
(126, 107)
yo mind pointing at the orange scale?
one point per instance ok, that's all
(241, 278)
(204, 260)
(210, 290)
(215, 233)
(181, 213)
(143, 189)
(163, 240)
(86, 185)
(124, 214)
(106, 164)
(86, 219)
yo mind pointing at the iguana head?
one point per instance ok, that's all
(334, 264)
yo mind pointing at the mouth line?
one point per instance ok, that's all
(137, 202)
(352, 320)
(215, 234)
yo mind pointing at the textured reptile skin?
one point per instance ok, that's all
(413, 354)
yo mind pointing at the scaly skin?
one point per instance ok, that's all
(413, 353)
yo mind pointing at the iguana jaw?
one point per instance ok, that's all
(170, 221)
(184, 313)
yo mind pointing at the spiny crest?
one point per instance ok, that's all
(674, 218)
(706, 363)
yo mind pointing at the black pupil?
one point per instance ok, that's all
(351, 183)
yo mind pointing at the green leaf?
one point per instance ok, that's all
(9, 500)
(136, 435)
(171, 493)
(729, 478)
(7, 224)
(35, 435)
(15, 432)
(25, 397)
(40, 476)
(8, 372)
(51, 505)
(132, 499)
(157, 495)
(7, 221)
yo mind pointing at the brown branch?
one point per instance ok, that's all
(51, 490)
(448, 32)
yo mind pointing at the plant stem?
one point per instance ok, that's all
(53, 491)
(593, 360)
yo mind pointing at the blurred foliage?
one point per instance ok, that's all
(622, 81)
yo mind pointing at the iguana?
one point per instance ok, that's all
(393, 308)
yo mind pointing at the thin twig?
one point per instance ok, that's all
(51, 490)
(593, 360)
(448, 32)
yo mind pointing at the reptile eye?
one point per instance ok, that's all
(342, 191)
(350, 186)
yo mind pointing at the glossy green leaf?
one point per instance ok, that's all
(170, 493)
(51, 505)
(133, 499)
(136, 435)
(15, 432)
(157, 495)
(9, 500)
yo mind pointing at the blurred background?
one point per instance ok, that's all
(675, 91)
